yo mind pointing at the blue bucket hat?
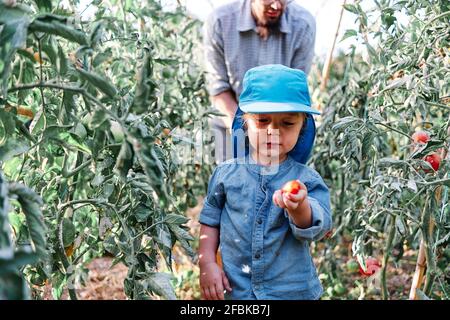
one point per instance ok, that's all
(276, 88)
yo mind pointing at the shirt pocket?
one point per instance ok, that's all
(239, 203)
(276, 217)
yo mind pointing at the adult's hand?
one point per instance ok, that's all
(226, 103)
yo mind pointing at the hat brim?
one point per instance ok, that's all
(276, 107)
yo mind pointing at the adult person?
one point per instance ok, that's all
(248, 33)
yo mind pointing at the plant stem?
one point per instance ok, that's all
(436, 182)
(145, 230)
(387, 253)
(65, 261)
(41, 73)
(440, 105)
(427, 233)
(68, 174)
(393, 129)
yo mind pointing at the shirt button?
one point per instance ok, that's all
(259, 221)
(257, 256)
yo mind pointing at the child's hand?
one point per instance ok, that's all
(212, 282)
(290, 201)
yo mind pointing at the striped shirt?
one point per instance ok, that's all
(232, 45)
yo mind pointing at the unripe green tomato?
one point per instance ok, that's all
(116, 131)
(339, 289)
(352, 266)
(167, 73)
(37, 279)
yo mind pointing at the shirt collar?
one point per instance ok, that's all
(246, 21)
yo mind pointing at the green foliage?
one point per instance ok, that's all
(12, 283)
(94, 147)
(384, 194)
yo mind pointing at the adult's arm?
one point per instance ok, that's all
(217, 81)
(226, 103)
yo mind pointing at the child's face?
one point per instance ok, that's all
(273, 135)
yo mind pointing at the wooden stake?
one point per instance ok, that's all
(421, 258)
(418, 274)
(327, 65)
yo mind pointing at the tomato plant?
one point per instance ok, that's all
(384, 133)
(94, 149)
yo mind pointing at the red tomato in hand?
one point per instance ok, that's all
(372, 266)
(291, 187)
(434, 160)
(421, 137)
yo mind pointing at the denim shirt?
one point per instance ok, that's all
(265, 255)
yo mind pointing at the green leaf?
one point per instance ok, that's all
(6, 249)
(351, 8)
(349, 33)
(109, 244)
(14, 288)
(31, 205)
(101, 57)
(167, 62)
(390, 162)
(175, 219)
(44, 5)
(12, 166)
(62, 64)
(163, 236)
(142, 213)
(367, 143)
(431, 146)
(180, 233)
(59, 26)
(372, 52)
(51, 49)
(159, 283)
(412, 185)
(145, 87)
(401, 226)
(345, 122)
(14, 22)
(98, 82)
(20, 259)
(152, 165)
(7, 121)
(124, 160)
(96, 34)
(55, 131)
(69, 232)
(70, 107)
(12, 148)
(98, 118)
